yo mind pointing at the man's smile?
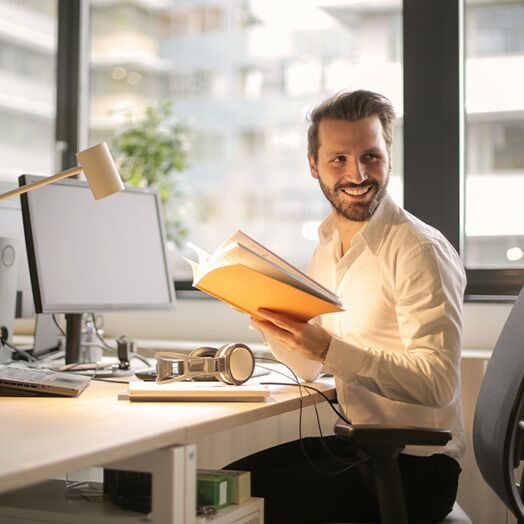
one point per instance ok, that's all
(356, 192)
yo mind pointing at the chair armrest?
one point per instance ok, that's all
(372, 437)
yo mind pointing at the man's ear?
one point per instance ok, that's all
(312, 166)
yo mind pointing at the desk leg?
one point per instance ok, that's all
(174, 482)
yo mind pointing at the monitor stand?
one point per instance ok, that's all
(73, 337)
(73, 345)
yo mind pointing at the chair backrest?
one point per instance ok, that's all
(497, 437)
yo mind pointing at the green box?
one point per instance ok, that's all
(241, 482)
(214, 490)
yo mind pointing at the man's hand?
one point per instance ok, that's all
(310, 340)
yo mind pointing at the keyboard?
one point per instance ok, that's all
(15, 380)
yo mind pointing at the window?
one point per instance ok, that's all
(494, 153)
(243, 74)
(494, 28)
(27, 87)
(476, 206)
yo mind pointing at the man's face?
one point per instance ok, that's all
(353, 166)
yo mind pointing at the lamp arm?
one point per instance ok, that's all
(41, 183)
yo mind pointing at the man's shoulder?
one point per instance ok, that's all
(412, 246)
(409, 234)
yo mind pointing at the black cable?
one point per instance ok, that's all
(297, 383)
(319, 425)
(93, 375)
(58, 325)
(321, 434)
(142, 359)
(349, 465)
(104, 343)
(107, 346)
(18, 351)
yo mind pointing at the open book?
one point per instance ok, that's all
(247, 276)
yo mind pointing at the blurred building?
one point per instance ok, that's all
(243, 74)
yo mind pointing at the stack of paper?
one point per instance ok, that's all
(195, 391)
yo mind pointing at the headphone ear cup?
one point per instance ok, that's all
(240, 363)
(204, 352)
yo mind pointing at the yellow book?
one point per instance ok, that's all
(247, 276)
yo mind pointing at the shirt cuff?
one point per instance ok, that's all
(344, 360)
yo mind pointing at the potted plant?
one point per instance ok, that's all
(152, 152)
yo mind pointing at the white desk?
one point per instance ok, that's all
(46, 437)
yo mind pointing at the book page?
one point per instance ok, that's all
(252, 244)
(237, 253)
(203, 256)
(197, 267)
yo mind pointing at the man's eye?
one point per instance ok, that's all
(339, 159)
(370, 157)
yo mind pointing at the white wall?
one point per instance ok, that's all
(210, 320)
(194, 319)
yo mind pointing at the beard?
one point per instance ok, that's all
(357, 212)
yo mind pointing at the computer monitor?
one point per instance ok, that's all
(88, 256)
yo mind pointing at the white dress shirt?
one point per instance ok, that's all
(395, 350)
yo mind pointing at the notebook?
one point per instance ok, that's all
(30, 382)
(194, 391)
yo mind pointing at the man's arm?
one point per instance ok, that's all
(429, 292)
(305, 367)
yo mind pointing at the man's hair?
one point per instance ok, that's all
(351, 106)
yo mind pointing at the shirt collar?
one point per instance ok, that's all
(329, 237)
(373, 233)
(378, 226)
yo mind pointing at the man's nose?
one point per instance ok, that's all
(356, 172)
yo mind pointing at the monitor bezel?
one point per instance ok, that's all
(40, 305)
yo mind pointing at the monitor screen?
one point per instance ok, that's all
(88, 255)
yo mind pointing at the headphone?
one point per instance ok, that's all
(232, 364)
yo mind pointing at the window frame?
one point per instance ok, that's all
(433, 54)
(434, 70)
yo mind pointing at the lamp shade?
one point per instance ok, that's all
(100, 171)
(99, 168)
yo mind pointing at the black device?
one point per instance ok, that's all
(89, 256)
(148, 375)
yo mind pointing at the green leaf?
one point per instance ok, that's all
(153, 153)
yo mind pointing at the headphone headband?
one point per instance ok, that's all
(232, 364)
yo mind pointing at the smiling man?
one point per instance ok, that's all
(394, 351)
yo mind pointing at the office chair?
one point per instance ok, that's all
(498, 426)
(498, 432)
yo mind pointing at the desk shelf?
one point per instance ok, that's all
(47, 503)
(249, 512)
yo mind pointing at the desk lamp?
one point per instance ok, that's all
(100, 171)
(98, 167)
